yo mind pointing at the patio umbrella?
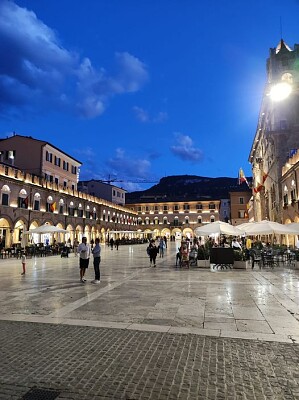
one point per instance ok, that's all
(46, 229)
(218, 227)
(268, 228)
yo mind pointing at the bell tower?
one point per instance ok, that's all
(277, 133)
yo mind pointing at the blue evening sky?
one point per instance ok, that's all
(140, 89)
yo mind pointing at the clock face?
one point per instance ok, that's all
(287, 77)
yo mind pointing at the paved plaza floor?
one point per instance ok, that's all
(147, 333)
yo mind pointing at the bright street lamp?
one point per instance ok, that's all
(280, 91)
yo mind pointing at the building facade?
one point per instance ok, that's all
(40, 159)
(103, 190)
(174, 218)
(277, 134)
(239, 207)
(290, 187)
(28, 201)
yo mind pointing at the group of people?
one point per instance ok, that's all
(84, 251)
(153, 250)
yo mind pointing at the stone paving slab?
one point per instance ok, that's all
(148, 333)
(100, 363)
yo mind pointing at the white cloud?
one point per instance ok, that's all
(185, 149)
(38, 70)
(144, 116)
(141, 114)
(126, 165)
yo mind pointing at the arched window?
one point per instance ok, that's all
(87, 212)
(36, 202)
(80, 211)
(199, 220)
(51, 204)
(71, 209)
(94, 213)
(212, 218)
(5, 192)
(165, 220)
(23, 199)
(156, 221)
(61, 206)
(186, 220)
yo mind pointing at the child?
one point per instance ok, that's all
(23, 259)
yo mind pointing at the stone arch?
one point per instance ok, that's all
(6, 229)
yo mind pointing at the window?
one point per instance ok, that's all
(49, 156)
(23, 199)
(80, 211)
(64, 184)
(186, 207)
(65, 165)
(36, 202)
(165, 208)
(199, 220)
(113, 192)
(176, 207)
(165, 220)
(57, 161)
(74, 169)
(36, 205)
(241, 214)
(5, 192)
(198, 206)
(212, 206)
(241, 200)
(285, 199)
(5, 198)
(293, 195)
(212, 219)
(56, 181)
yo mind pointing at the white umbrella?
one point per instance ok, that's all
(218, 227)
(268, 228)
(46, 229)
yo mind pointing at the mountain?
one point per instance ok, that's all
(187, 188)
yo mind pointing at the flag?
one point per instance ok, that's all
(242, 177)
(53, 206)
(260, 185)
(265, 176)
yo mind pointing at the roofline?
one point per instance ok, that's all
(44, 142)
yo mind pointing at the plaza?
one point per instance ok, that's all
(147, 333)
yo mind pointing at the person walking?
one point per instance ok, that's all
(111, 241)
(161, 247)
(23, 260)
(152, 252)
(84, 255)
(96, 251)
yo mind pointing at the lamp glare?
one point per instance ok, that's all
(280, 91)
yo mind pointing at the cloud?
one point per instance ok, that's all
(38, 70)
(125, 165)
(185, 150)
(143, 116)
